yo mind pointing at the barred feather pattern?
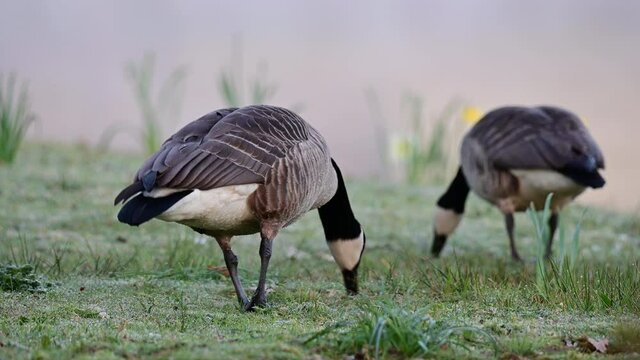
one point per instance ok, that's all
(260, 144)
(521, 138)
(226, 147)
(301, 181)
(542, 137)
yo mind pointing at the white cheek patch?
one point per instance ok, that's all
(446, 221)
(347, 252)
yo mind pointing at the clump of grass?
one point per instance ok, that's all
(426, 146)
(588, 289)
(231, 84)
(540, 223)
(24, 253)
(155, 110)
(15, 117)
(385, 330)
(580, 287)
(457, 279)
(181, 308)
(84, 312)
(22, 278)
(521, 346)
(625, 338)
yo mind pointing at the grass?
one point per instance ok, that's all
(561, 281)
(426, 145)
(155, 110)
(231, 89)
(384, 330)
(15, 117)
(157, 292)
(21, 278)
(626, 338)
(231, 81)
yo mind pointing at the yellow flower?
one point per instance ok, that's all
(585, 121)
(400, 147)
(471, 114)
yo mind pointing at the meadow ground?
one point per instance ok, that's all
(105, 290)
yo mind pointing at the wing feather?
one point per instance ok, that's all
(225, 147)
(535, 138)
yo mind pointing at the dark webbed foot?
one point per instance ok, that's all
(516, 257)
(259, 300)
(244, 303)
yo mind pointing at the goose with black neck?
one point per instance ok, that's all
(515, 157)
(240, 171)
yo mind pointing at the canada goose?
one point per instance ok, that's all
(240, 171)
(515, 156)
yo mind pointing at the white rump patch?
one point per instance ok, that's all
(161, 192)
(446, 221)
(535, 185)
(346, 252)
(220, 209)
(546, 181)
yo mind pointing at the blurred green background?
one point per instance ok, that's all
(364, 73)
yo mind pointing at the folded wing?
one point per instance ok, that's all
(540, 138)
(225, 147)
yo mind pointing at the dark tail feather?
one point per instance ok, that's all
(585, 172)
(128, 192)
(590, 179)
(141, 209)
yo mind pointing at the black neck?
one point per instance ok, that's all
(456, 194)
(337, 217)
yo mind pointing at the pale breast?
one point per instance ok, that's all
(535, 185)
(219, 211)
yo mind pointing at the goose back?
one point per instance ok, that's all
(226, 147)
(529, 152)
(541, 137)
(267, 146)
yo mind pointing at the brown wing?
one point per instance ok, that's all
(536, 138)
(225, 147)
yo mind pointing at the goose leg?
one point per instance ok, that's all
(510, 223)
(259, 298)
(231, 260)
(553, 225)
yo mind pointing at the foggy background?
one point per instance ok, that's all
(581, 54)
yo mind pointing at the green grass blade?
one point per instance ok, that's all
(15, 117)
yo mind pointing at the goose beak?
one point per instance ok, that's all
(351, 281)
(438, 244)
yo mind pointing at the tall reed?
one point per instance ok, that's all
(15, 117)
(155, 109)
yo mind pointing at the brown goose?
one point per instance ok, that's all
(242, 171)
(515, 156)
